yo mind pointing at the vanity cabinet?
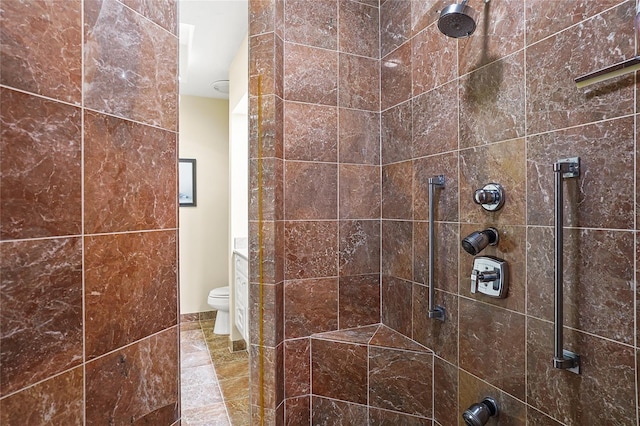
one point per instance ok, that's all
(241, 314)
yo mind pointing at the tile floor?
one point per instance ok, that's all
(215, 381)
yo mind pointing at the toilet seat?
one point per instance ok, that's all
(220, 292)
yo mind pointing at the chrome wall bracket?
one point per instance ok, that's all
(436, 312)
(562, 359)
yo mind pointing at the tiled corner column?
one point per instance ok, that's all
(88, 214)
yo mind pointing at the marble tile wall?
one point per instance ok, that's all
(500, 106)
(88, 217)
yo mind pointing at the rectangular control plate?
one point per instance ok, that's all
(490, 276)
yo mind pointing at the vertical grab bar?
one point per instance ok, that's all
(562, 359)
(436, 312)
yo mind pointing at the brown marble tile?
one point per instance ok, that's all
(396, 133)
(328, 412)
(446, 251)
(359, 82)
(121, 271)
(359, 247)
(535, 417)
(396, 304)
(359, 137)
(312, 22)
(359, 300)
(607, 371)
(512, 247)
(359, 30)
(547, 17)
(503, 163)
(58, 400)
(272, 311)
(384, 417)
(310, 190)
(401, 381)
(271, 188)
(41, 315)
(339, 371)
(445, 392)
(397, 191)
(360, 194)
(426, 12)
(395, 76)
(272, 253)
(146, 59)
(235, 388)
(310, 306)
(271, 366)
(163, 13)
(31, 31)
(435, 121)
(361, 335)
(499, 32)
(486, 339)
(210, 415)
(112, 382)
(238, 410)
(40, 163)
(265, 65)
(262, 15)
(272, 127)
(297, 367)
(492, 102)
(446, 197)
(553, 101)
(386, 337)
(439, 336)
(310, 132)
(129, 175)
(395, 24)
(598, 272)
(472, 390)
(311, 74)
(396, 249)
(311, 249)
(435, 59)
(606, 166)
(298, 411)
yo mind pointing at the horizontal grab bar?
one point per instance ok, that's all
(621, 68)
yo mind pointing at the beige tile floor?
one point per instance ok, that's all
(215, 381)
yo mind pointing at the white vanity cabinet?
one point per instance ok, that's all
(241, 314)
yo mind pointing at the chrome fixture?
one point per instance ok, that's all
(458, 20)
(475, 242)
(490, 197)
(490, 276)
(479, 414)
(436, 312)
(612, 71)
(563, 169)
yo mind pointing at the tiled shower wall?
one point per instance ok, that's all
(500, 106)
(88, 284)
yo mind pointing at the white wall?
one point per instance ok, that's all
(204, 230)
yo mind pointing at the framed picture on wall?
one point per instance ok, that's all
(187, 182)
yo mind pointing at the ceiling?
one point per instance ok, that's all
(210, 35)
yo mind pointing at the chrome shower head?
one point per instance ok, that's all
(457, 20)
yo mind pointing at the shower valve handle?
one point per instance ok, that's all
(490, 197)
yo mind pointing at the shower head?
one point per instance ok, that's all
(457, 20)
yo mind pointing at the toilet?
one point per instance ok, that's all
(219, 300)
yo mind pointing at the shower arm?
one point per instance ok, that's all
(436, 312)
(562, 358)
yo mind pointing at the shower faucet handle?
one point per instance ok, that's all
(490, 196)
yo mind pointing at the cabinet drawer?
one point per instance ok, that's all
(240, 320)
(242, 289)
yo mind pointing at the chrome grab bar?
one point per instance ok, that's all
(434, 311)
(562, 359)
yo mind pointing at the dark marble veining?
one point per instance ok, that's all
(396, 304)
(359, 300)
(130, 175)
(329, 412)
(31, 32)
(397, 237)
(359, 247)
(310, 306)
(297, 367)
(266, 65)
(339, 370)
(311, 249)
(359, 335)
(272, 313)
(132, 76)
(136, 384)
(272, 126)
(397, 191)
(298, 411)
(310, 190)
(40, 310)
(40, 166)
(121, 272)
(445, 392)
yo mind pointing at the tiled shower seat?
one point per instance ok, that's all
(370, 375)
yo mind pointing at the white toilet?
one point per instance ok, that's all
(219, 300)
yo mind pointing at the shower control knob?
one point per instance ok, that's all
(490, 197)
